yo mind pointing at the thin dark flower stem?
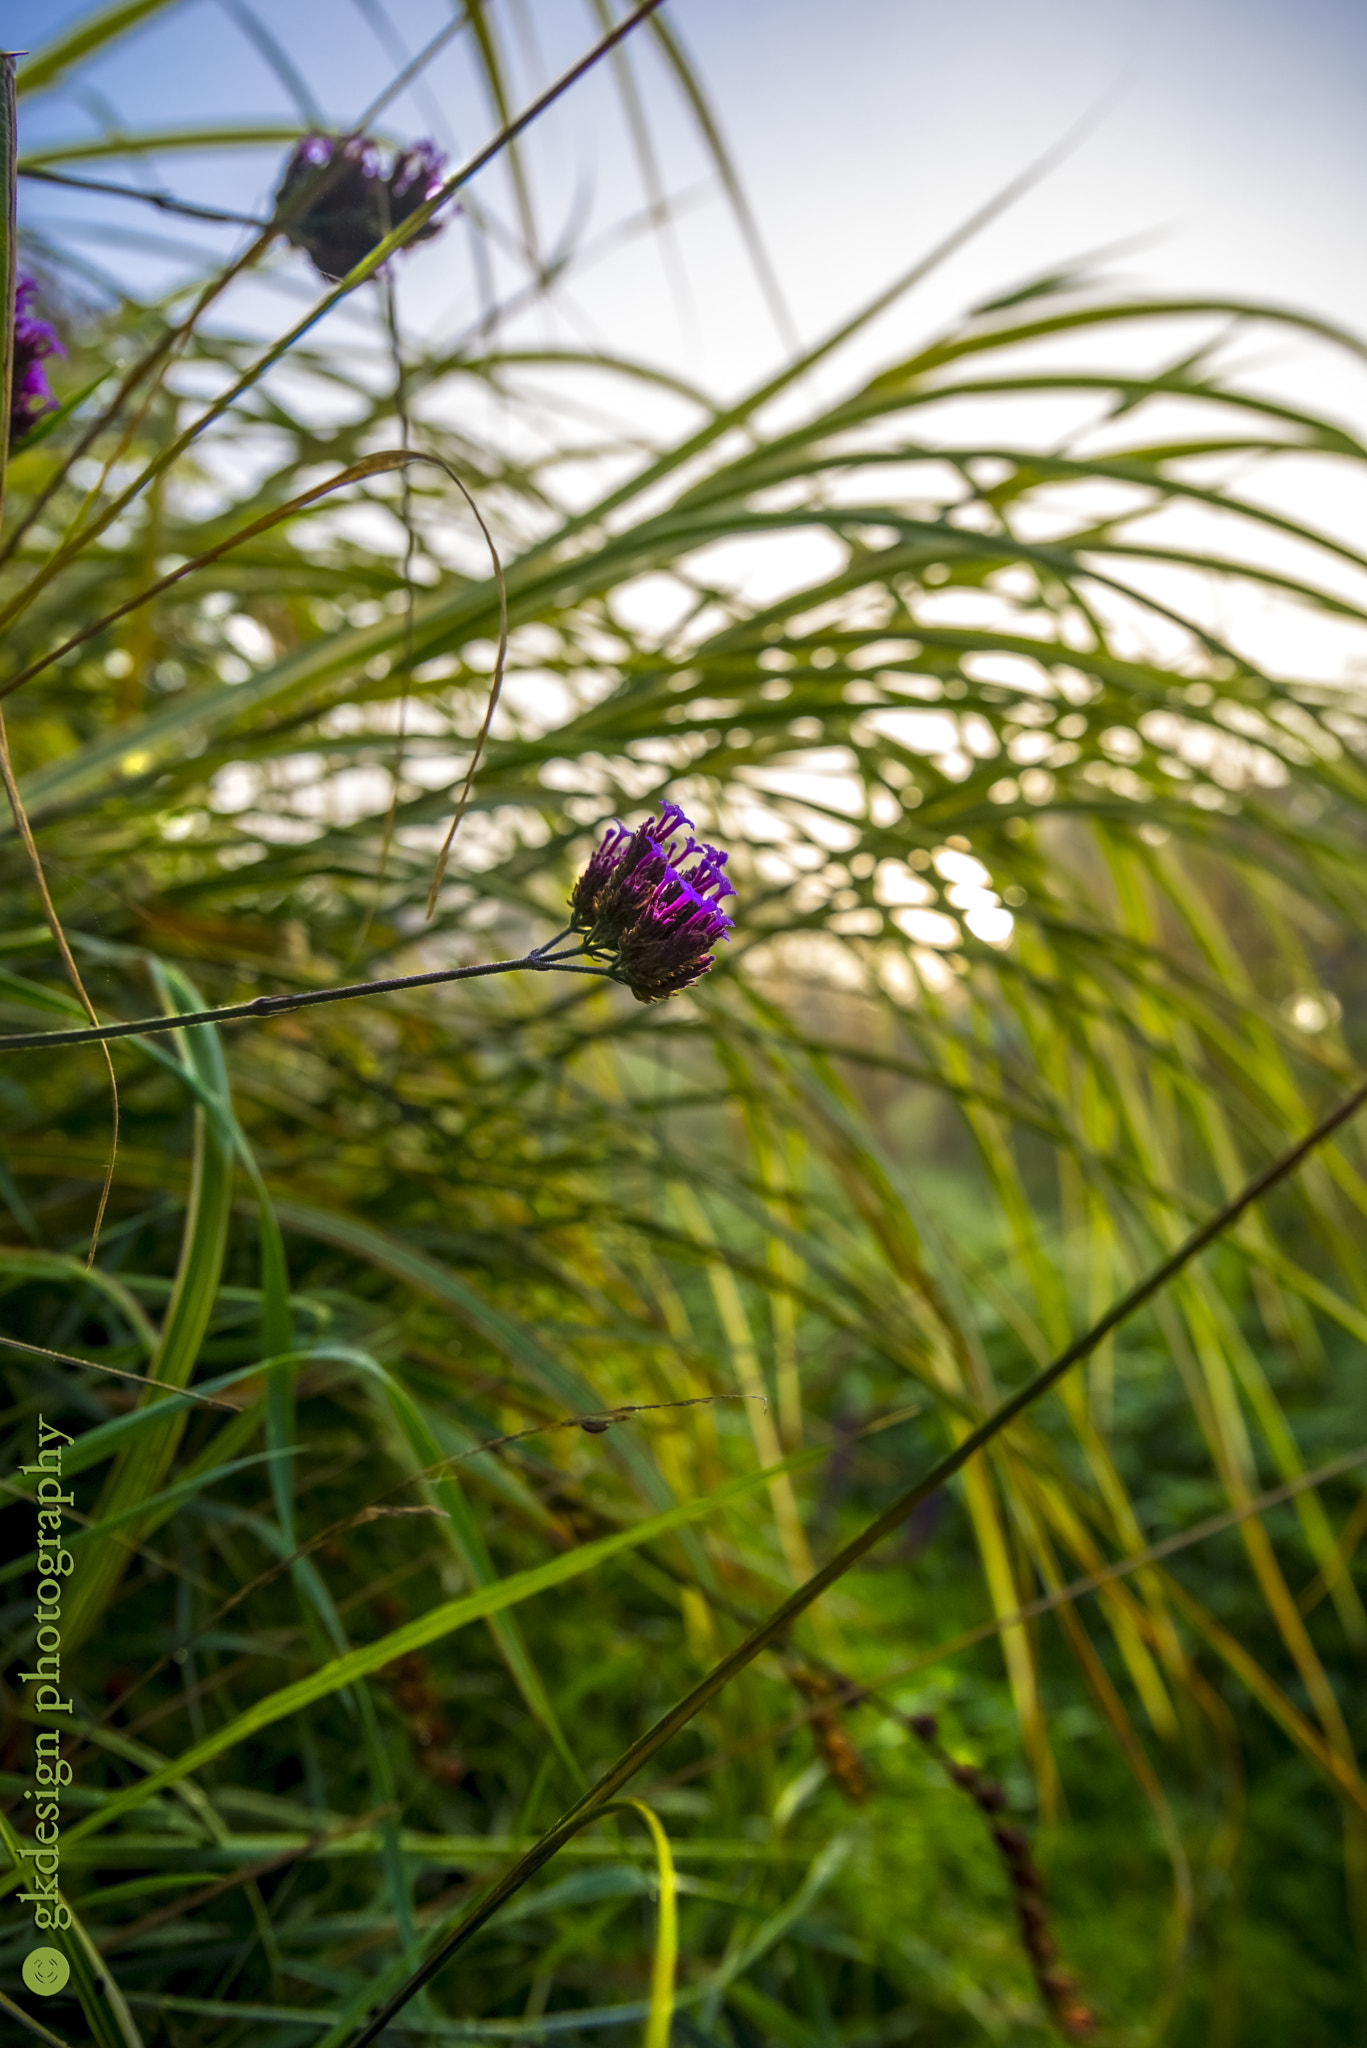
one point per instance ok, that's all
(141, 1379)
(162, 200)
(275, 1006)
(776, 1627)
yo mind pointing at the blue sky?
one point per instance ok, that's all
(1234, 134)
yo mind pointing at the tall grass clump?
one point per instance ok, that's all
(483, 1401)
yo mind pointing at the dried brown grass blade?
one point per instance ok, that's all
(495, 689)
(73, 972)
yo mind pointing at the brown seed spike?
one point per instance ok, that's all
(1012, 1843)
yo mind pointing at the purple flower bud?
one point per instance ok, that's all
(640, 904)
(34, 339)
(336, 203)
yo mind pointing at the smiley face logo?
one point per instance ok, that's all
(46, 1971)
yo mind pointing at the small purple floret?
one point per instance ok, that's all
(34, 339)
(337, 203)
(658, 918)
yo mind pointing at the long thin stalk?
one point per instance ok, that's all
(783, 1617)
(163, 201)
(275, 1006)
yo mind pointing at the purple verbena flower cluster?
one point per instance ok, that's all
(336, 202)
(34, 339)
(656, 917)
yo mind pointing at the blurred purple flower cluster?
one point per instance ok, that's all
(34, 339)
(336, 202)
(638, 902)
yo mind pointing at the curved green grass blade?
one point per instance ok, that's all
(136, 1477)
(660, 2018)
(91, 33)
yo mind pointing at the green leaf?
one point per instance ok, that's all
(136, 1478)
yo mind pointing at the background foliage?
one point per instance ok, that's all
(1052, 899)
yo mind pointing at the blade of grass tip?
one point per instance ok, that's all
(1269, 1695)
(790, 1610)
(495, 688)
(32, 1263)
(745, 1954)
(1347, 1541)
(659, 2011)
(376, 18)
(660, 2018)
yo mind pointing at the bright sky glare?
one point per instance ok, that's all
(1231, 131)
